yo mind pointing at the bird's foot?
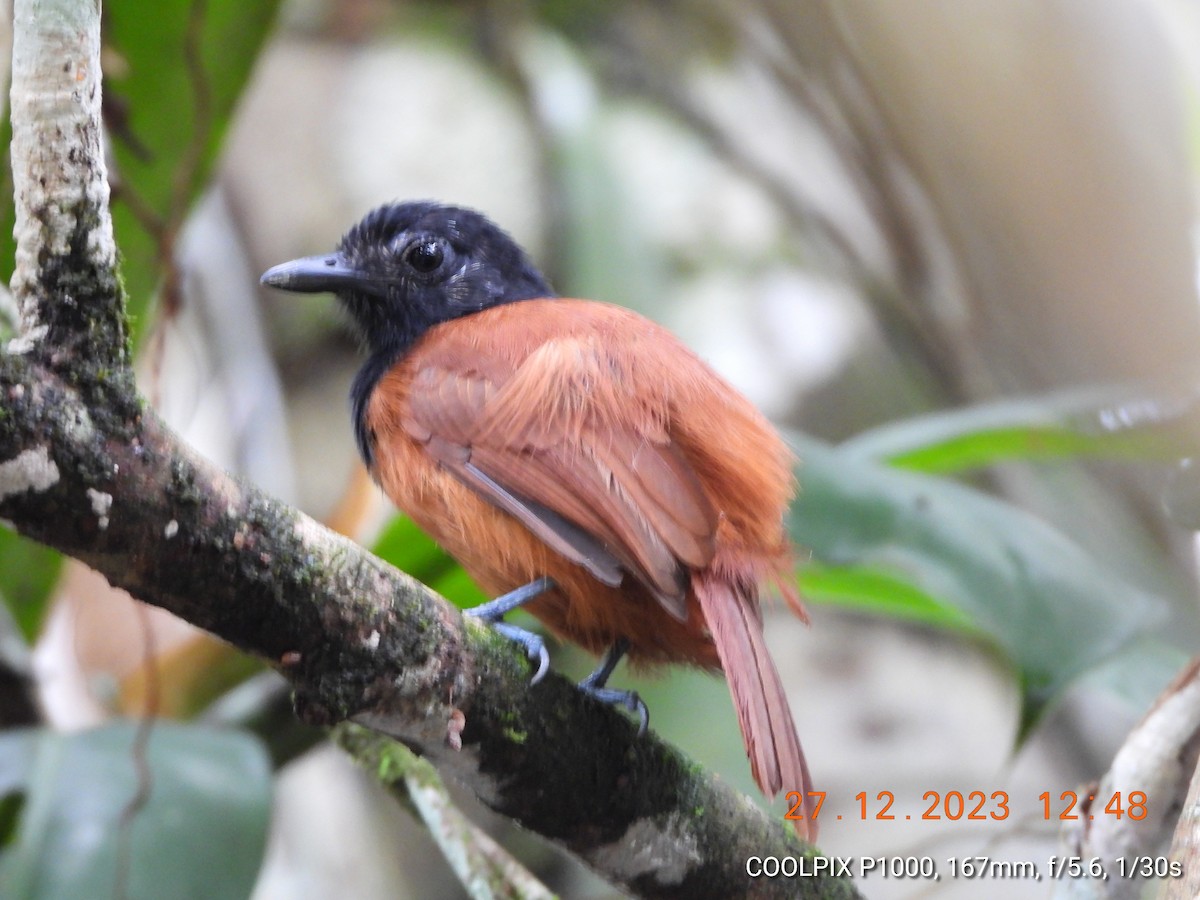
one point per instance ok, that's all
(535, 647)
(627, 699)
(494, 611)
(594, 685)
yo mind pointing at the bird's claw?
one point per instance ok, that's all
(594, 685)
(626, 699)
(534, 646)
(494, 611)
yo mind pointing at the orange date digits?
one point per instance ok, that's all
(1135, 805)
(1067, 814)
(974, 807)
(1132, 804)
(887, 798)
(795, 801)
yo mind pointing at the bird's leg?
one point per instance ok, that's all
(494, 611)
(595, 683)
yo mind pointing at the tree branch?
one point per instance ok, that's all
(65, 280)
(87, 469)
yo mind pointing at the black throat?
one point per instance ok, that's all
(360, 395)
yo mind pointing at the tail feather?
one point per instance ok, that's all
(776, 758)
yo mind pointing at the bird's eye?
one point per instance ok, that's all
(424, 256)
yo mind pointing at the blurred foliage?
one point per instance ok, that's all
(1053, 608)
(1117, 423)
(28, 573)
(876, 591)
(410, 550)
(171, 82)
(187, 678)
(75, 823)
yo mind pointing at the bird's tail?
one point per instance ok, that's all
(776, 758)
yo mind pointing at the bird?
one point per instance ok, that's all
(576, 458)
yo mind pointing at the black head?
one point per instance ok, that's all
(407, 267)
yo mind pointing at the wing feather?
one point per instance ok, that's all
(567, 445)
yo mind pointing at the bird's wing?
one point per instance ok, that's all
(572, 449)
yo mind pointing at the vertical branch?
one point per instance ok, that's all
(1148, 783)
(65, 280)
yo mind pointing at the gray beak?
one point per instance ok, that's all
(314, 274)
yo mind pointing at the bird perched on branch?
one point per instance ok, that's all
(576, 458)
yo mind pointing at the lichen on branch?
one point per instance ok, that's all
(65, 281)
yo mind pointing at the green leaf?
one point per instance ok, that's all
(1053, 609)
(11, 805)
(458, 587)
(869, 590)
(1110, 422)
(410, 550)
(201, 832)
(28, 573)
(172, 80)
